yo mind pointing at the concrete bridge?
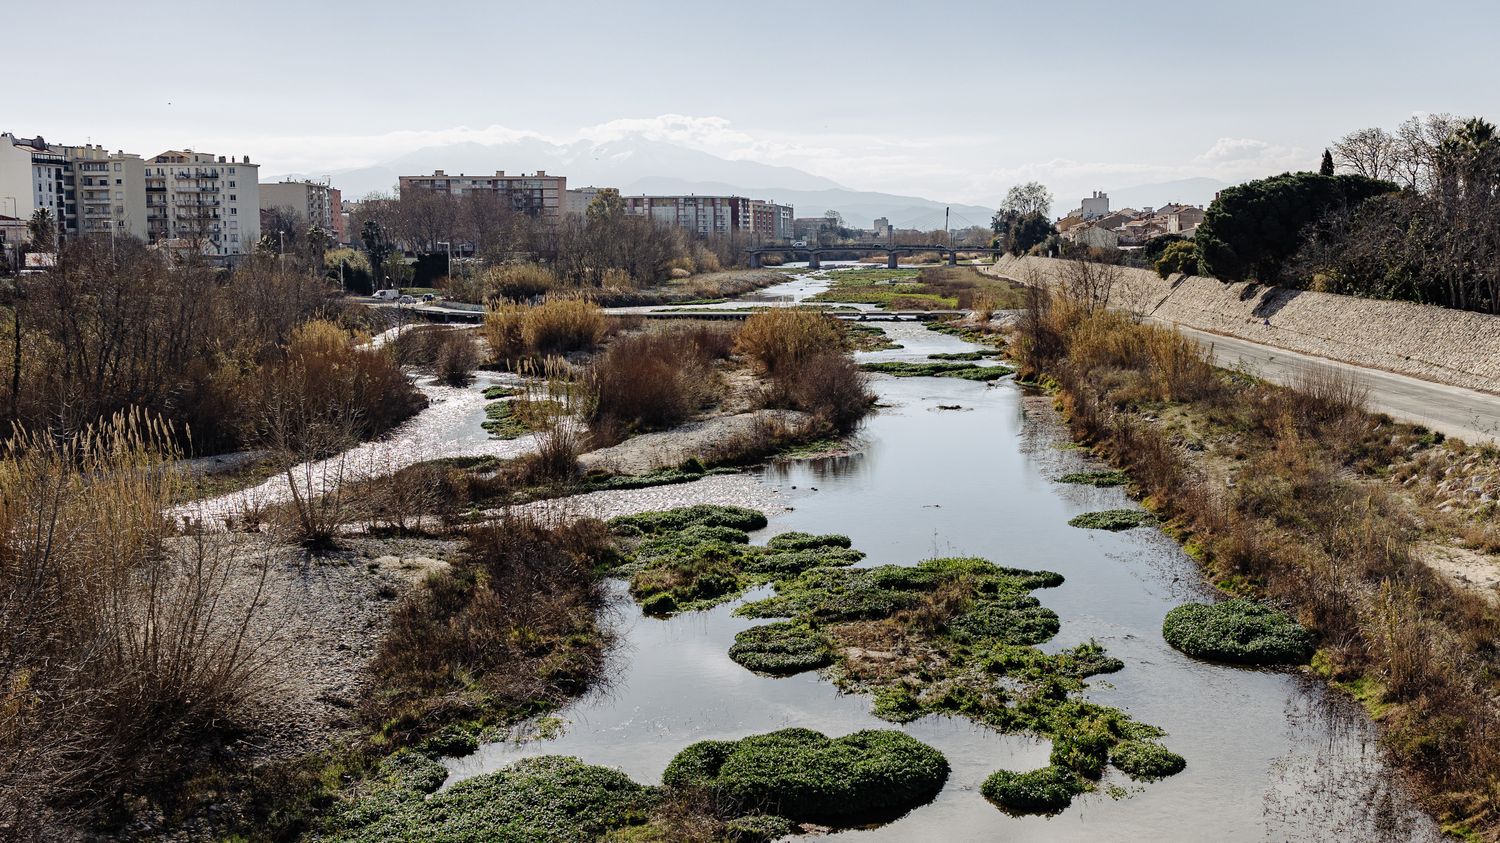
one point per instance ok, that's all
(814, 253)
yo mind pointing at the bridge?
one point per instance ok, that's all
(814, 253)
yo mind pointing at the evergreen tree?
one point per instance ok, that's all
(1327, 168)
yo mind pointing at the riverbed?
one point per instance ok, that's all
(1270, 754)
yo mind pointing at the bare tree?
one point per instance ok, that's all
(1091, 283)
(1369, 152)
(1417, 142)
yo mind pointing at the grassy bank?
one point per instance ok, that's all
(1304, 499)
(929, 288)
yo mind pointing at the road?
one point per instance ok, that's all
(1454, 411)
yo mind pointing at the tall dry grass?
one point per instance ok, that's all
(126, 650)
(653, 381)
(781, 338)
(559, 325)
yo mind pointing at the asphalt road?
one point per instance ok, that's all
(1454, 411)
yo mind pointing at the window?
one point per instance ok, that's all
(233, 211)
(231, 181)
(232, 198)
(117, 166)
(231, 171)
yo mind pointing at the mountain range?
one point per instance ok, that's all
(638, 165)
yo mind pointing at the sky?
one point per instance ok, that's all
(954, 101)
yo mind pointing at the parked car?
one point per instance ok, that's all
(387, 295)
(799, 244)
(428, 297)
(407, 300)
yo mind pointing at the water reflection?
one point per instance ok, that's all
(1268, 757)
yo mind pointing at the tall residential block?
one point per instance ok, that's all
(538, 195)
(313, 202)
(702, 215)
(198, 200)
(770, 220)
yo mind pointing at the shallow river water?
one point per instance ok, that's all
(1270, 755)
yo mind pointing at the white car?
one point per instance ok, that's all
(407, 300)
(387, 295)
(799, 244)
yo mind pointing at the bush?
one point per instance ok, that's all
(758, 828)
(1045, 791)
(1178, 257)
(556, 326)
(649, 382)
(1146, 760)
(550, 799)
(832, 388)
(782, 338)
(807, 541)
(803, 775)
(1112, 519)
(456, 359)
(1239, 631)
(781, 648)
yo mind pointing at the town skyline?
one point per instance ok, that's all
(858, 100)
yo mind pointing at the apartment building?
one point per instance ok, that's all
(539, 195)
(108, 192)
(579, 199)
(33, 176)
(314, 203)
(702, 215)
(770, 220)
(198, 200)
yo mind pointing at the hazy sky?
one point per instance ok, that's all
(949, 100)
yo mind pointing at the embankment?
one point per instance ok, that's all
(1433, 343)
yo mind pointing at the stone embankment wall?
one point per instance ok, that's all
(1433, 343)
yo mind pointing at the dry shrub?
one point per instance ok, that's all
(456, 358)
(782, 338)
(831, 387)
(766, 436)
(516, 282)
(556, 326)
(515, 620)
(324, 381)
(651, 381)
(123, 653)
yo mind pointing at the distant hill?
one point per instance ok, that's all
(638, 165)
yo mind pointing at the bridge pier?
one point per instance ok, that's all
(890, 260)
(812, 261)
(755, 260)
(952, 258)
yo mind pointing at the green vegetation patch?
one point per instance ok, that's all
(697, 557)
(1113, 519)
(1146, 760)
(805, 776)
(1111, 477)
(781, 648)
(496, 392)
(550, 799)
(1045, 791)
(509, 419)
(904, 369)
(758, 828)
(868, 338)
(964, 355)
(1238, 631)
(660, 477)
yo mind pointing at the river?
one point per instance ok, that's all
(1270, 754)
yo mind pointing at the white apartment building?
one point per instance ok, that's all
(312, 202)
(198, 200)
(703, 215)
(33, 177)
(1095, 206)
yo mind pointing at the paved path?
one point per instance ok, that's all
(1469, 415)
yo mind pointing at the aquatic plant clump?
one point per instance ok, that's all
(966, 371)
(781, 648)
(1238, 631)
(1102, 479)
(550, 799)
(1045, 791)
(805, 776)
(707, 515)
(1112, 519)
(1146, 760)
(806, 541)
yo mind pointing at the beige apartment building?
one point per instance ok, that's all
(538, 195)
(109, 190)
(199, 200)
(313, 202)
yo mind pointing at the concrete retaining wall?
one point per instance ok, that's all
(1433, 343)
